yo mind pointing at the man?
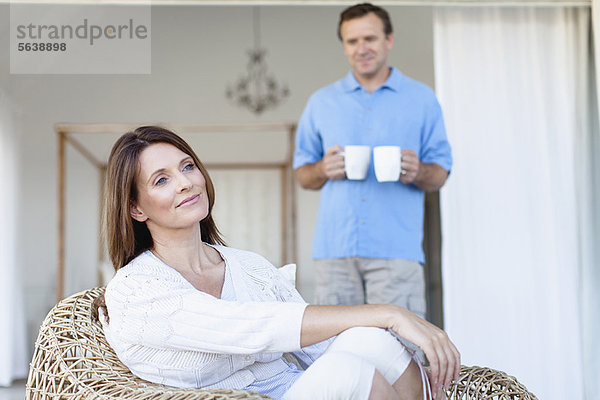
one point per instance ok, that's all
(368, 239)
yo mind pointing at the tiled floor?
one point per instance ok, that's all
(14, 392)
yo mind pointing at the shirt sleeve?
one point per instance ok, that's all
(435, 147)
(158, 313)
(309, 145)
(286, 291)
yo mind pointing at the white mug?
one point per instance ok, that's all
(356, 161)
(387, 161)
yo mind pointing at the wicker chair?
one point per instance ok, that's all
(72, 360)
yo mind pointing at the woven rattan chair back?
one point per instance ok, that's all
(73, 360)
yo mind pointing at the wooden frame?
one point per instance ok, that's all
(288, 196)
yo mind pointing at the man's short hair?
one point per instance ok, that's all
(360, 10)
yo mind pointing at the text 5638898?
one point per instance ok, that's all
(43, 46)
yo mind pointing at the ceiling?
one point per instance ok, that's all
(544, 3)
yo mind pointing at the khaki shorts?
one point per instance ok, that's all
(357, 280)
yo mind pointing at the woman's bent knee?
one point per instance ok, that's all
(377, 346)
(336, 375)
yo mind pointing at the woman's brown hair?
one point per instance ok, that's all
(125, 237)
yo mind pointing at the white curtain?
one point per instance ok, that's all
(591, 232)
(248, 210)
(13, 361)
(515, 86)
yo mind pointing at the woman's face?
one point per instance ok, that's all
(171, 189)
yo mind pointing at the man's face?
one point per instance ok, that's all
(366, 46)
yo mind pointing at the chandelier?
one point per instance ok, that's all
(257, 90)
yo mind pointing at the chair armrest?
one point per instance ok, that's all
(486, 383)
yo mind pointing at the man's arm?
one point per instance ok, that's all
(427, 177)
(331, 167)
(311, 176)
(431, 177)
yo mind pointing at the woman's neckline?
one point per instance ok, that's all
(226, 269)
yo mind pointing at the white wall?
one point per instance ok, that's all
(196, 52)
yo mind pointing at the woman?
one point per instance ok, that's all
(186, 311)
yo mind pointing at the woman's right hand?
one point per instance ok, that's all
(322, 322)
(443, 356)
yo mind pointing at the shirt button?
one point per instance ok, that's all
(248, 358)
(368, 131)
(362, 198)
(362, 222)
(369, 110)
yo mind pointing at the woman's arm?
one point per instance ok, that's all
(322, 322)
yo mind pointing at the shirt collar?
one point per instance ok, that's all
(350, 84)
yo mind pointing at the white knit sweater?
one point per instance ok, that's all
(167, 331)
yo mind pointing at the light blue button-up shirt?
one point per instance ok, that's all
(370, 218)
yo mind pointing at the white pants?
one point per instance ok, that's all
(345, 371)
